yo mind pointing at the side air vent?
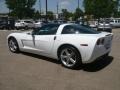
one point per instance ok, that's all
(108, 35)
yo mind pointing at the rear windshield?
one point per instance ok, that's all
(78, 29)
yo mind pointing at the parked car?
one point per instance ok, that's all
(38, 24)
(19, 24)
(72, 44)
(29, 24)
(115, 23)
(59, 21)
(3, 24)
(71, 22)
(83, 22)
(7, 23)
(24, 24)
(93, 24)
(11, 23)
(104, 26)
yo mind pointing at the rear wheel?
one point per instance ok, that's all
(13, 45)
(70, 57)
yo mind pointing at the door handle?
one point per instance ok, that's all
(55, 37)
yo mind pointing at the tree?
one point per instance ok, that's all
(66, 14)
(116, 12)
(78, 13)
(100, 8)
(37, 15)
(21, 8)
(50, 15)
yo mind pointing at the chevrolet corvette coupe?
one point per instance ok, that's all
(72, 44)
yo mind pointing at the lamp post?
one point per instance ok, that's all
(78, 4)
(57, 7)
(40, 6)
(46, 10)
(57, 15)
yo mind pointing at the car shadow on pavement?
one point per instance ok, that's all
(98, 64)
(41, 57)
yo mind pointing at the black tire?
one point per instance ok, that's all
(105, 56)
(72, 61)
(13, 45)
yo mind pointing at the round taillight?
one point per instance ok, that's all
(98, 42)
(102, 41)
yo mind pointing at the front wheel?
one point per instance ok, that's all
(70, 57)
(13, 45)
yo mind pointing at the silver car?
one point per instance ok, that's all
(104, 26)
(115, 23)
(29, 24)
(24, 24)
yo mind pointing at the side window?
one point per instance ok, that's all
(69, 30)
(47, 30)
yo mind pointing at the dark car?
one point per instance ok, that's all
(7, 23)
(3, 24)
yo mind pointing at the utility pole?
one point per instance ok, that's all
(40, 7)
(57, 8)
(57, 15)
(46, 10)
(78, 4)
(9, 11)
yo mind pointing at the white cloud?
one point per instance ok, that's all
(64, 3)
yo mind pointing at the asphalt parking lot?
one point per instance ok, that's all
(25, 71)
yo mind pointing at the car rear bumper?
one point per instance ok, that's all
(101, 50)
(96, 55)
(98, 58)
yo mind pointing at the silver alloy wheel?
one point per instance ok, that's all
(12, 45)
(68, 57)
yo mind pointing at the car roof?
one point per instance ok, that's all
(65, 24)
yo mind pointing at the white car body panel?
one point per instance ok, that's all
(46, 45)
(19, 24)
(38, 24)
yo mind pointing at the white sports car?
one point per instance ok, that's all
(71, 43)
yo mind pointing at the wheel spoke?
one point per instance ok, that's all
(68, 61)
(71, 60)
(64, 56)
(66, 52)
(72, 54)
(15, 47)
(68, 57)
(12, 45)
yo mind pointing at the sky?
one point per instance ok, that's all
(66, 4)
